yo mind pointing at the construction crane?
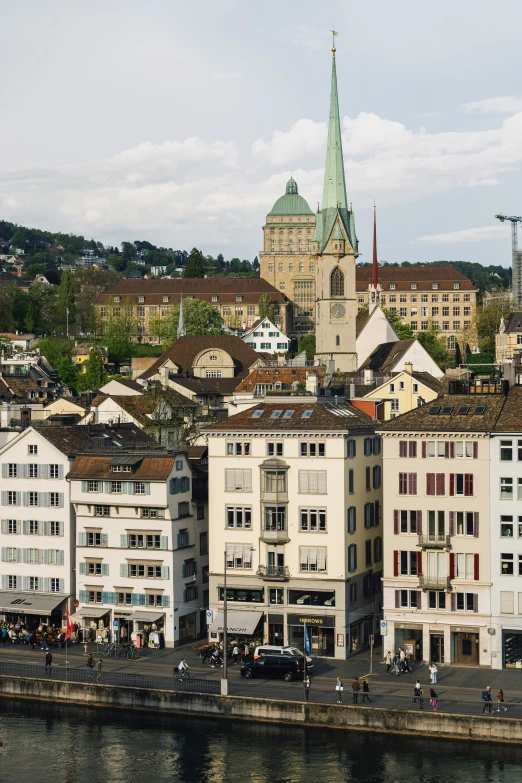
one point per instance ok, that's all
(516, 271)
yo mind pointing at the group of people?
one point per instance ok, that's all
(488, 701)
(398, 663)
(213, 653)
(17, 633)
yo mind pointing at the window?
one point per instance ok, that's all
(32, 498)
(407, 448)
(394, 404)
(368, 551)
(435, 484)
(32, 527)
(275, 449)
(12, 470)
(312, 449)
(313, 520)
(351, 448)
(506, 526)
(94, 569)
(276, 596)
(239, 517)
(33, 470)
(403, 312)
(94, 539)
(102, 511)
(408, 563)
(55, 499)
(54, 471)
(312, 559)
(312, 482)
(464, 566)
(12, 582)
(353, 592)
(274, 518)
(461, 484)
(377, 549)
(34, 583)
(436, 600)
(351, 488)
(11, 527)
(274, 481)
(337, 282)
(139, 488)
(407, 483)
(213, 373)
(153, 513)
(466, 602)
(371, 514)
(506, 450)
(506, 489)
(408, 599)
(406, 521)
(352, 519)
(240, 595)
(239, 556)
(32, 449)
(238, 480)
(352, 558)
(203, 543)
(377, 477)
(506, 564)
(368, 473)
(393, 286)
(368, 447)
(466, 523)
(55, 528)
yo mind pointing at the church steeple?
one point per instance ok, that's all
(375, 288)
(334, 189)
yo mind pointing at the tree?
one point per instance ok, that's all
(116, 339)
(94, 374)
(266, 307)
(43, 298)
(68, 372)
(54, 349)
(19, 304)
(255, 265)
(436, 345)
(307, 343)
(128, 251)
(88, 285)
(402, 330)
(488, 319)
(66, 307)
(195, 264)
(199, 317)
(29, 320)
(7, 323)
(220, 260)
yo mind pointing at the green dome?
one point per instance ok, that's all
(291, 203)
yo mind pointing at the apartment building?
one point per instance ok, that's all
(296, 516)
(508, 341)
(146, 301)
(265, 336)
(141, 545)
(437, 492)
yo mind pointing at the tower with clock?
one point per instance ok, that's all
(335, 246)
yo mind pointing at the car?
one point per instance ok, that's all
(274, 649)
(276, 667)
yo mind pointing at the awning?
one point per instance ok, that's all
(95, 612)
(147, 617)
(29, 603)
(237, 622)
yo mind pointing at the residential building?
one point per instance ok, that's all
(276, 380)
(404, 391)
(265, 336)
(81, 353)
(122, 387)
(157, 271)
(296, 513)
(236, 300)
(19, 342)
(372, 329)
(436, 519)
(508, 341)
(393, 357)
(141, 545)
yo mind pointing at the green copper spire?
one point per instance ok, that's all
(334, 191)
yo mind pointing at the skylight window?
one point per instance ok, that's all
(463, 410)
(275, 414)
(306, 414)
(257, 414)
(480, 409)
(446, 410)
(434, 410)
(288, 414)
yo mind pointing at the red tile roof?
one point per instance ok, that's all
(404, 276)
(226, 289)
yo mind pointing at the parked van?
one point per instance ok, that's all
(273, 649)
(285, 667)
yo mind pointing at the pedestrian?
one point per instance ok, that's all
(433, 672)
(90, 667)
(235, 654)
(246, 653)
(45, 646)
(433, 700)
(486, 698)
(407, 667)
(48, 661)
(416, 691)
(306, 683)
(32, 640)
(355, 688)
(401, 659)
(339, 689)
(366, 691)
(501, 707)
(388, 661)
(99, 667)
(421, 699)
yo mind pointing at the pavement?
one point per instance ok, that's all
(453, 682)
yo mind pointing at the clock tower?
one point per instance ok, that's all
(334, 246)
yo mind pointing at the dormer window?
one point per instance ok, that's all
(121, 468)
(434, 286)
(414, 286)
(392, 286)
(239, 298)
(165, 298)
(456, 285)
(214, 298)
(141, 299)
(116, 298)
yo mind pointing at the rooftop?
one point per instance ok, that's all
(297, 416)
(184, 351)
(386, 356)
(149, 468)
(453, 413)
(95, 438)
(404, 276)
(226, 289)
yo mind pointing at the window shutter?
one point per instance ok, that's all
(82, 539)
(4, 553)
(4, 498)
(476, 568)
(452, 523)
(440, 483)
(468, 484)
(397, 599)
(396, 522)
(104, 539)
(62, 557)
(46, 556)
(82, 568)
(419, 563)
(475, 601)
(453, 602)
(452, 484)
(247, 480)
(24, 498)
(475, 450)
(4, 469)
(303, 481)
(124, 569)
(105, 569)
(446, 449)
(452, 565)
(3, 526)
(321, 481)
(60, 500)
(171, 485)
(85, 485)
(476, 524)
(106, 486)
(165, 571)
(130, 487)
(46, 584)
(60, 471)
(124, 487)
(403, 448)
(124, 541)
(396, 563)
(452, 449)
(419, 599)
(419, 522)
(430, 483)
(165, 601)
(147, 487)
(22, 471)
(424, 448)
(4, 581)
(82, 595)
(25, 527)
(24, 557)
(164, 542)
(229, 481)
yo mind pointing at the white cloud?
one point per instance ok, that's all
(313, 39)
(226, 75)
(428, 115)
(506, 104)
(305, 139)
(481, 234)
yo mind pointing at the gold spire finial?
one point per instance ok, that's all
(334, 33)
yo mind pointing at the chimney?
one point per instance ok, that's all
(312, 385)
(408, 366)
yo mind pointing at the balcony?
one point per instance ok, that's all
(434, 541)
(273, 536)
(434, 582)
(274, 573)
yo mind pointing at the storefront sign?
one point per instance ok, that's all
(409, 626)
(340, 639)
(464, 629)
(301, 619)
(123, 615)
(276, 618)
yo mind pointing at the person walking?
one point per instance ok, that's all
(339, 690)
(90, 667)
(388, 660)
(306, 683)
(48, 661)
(32, 640)
(407, 667)
(433, 700)
(501, 707)
(366, 692)
(401, 659)
(433, 672)
(486, 698)
(235, 654)
(356, 688)
(416, 691)
(246, 653)
(99, 667)
(395, 669)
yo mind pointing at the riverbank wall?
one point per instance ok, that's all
(411, 722)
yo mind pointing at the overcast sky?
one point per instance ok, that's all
(180, 122)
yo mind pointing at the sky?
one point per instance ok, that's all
(180, 123)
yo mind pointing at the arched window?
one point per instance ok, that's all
(337, 282)
(338, 339)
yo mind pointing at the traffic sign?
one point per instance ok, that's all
(384, 627)
(210, 615)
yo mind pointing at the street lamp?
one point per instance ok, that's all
(224, 680)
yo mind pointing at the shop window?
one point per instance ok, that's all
(239, 595)
(311, 597)
(276, 596)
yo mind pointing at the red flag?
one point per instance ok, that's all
(68, 625)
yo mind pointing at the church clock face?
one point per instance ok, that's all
(337, 311)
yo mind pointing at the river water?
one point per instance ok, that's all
(42, 743)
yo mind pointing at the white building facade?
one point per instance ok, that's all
(265, 336)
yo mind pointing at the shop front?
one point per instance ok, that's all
(148, 629)
(437, 644)
(321, 632)
(95, 623)
(245, 627)
(465, 645)
(276, 627)
(32, 609)
(409, 637)
(512, 648)
(122, 626)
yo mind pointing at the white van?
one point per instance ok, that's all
(271, 649)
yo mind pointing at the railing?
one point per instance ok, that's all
(280, 573)
(427, 582)
(434, 541)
